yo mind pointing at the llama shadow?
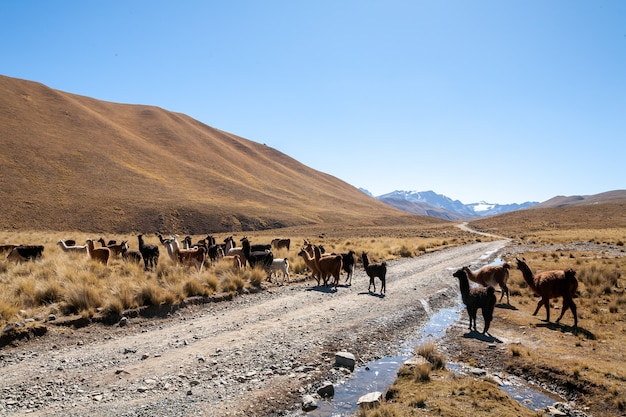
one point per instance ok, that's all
(482, 337)
(322, 288)
(373, 294)
(563, 328)
(506, 306)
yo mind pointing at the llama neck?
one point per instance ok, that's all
(528, 275)
(317, 252)
(366, 261)
(464, 285)
(470, 274)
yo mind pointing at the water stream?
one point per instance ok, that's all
(380, 374)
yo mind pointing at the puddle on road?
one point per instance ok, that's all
(380, 374)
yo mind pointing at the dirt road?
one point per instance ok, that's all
(255, 355)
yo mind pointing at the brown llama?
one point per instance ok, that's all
(328, 266)
(98, 254)
(475, 298)
(552, 284)
(491, 275)
(309, 260)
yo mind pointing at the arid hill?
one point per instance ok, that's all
(71, 162)
(583, 200)
(599, 215)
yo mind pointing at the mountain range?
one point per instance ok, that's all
(429, 203)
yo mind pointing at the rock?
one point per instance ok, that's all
(370, 400)
(52, 317)
(123, 321)
(478, 372)
(308, 403)
(326, 390)
(415, 361)
(345, 360)
(554, 412)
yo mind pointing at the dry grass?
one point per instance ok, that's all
(61, 283)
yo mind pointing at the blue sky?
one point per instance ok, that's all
(503, 101)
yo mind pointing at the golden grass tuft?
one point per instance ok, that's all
(255, 276)
(150, 294)
(81, 298)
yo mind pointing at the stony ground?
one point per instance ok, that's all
(254, 355)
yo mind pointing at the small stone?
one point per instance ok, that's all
(370, 400)
(326, 390)
(345, 359)
(308, 403)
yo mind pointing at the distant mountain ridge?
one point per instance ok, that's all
(429, 203)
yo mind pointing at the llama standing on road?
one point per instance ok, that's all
(373, 271)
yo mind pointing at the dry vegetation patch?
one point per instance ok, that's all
(68, 284)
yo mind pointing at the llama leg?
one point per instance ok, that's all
(539, 304)
(384, 286)
(505, 290)
(487, 316)
(472, 315)
(564, 308)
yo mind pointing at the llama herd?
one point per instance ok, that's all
(325, 268)
(547, 285)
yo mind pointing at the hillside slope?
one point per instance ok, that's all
(75, 163)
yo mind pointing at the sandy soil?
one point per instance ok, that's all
(255, 355)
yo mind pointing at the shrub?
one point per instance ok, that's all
(193, 287)
(256, 276)
(81, 298)
(428, 351)
(151, 294)
(405, 252)
(50, 293)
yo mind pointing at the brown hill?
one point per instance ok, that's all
(70, 162)
(600, 215)
(581, 200)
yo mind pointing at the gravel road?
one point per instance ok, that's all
(255, 355)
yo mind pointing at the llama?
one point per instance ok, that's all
(23, 253)
(327, 266)
(232, 250)
(489, 276)
(310, 263)
(115, 248)
(149, 253)
(262, 258)
(194, 257)
(101, 255)
(374, 270)
(279, 243)
(131, 255)
(475, 298)
(72, 249)
(348, 263)
(280, 265)
(234, 260)
(171, 246)
(552, 284)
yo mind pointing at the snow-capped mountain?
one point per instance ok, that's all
(430, 203)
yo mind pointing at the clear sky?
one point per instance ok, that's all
(503, 101)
